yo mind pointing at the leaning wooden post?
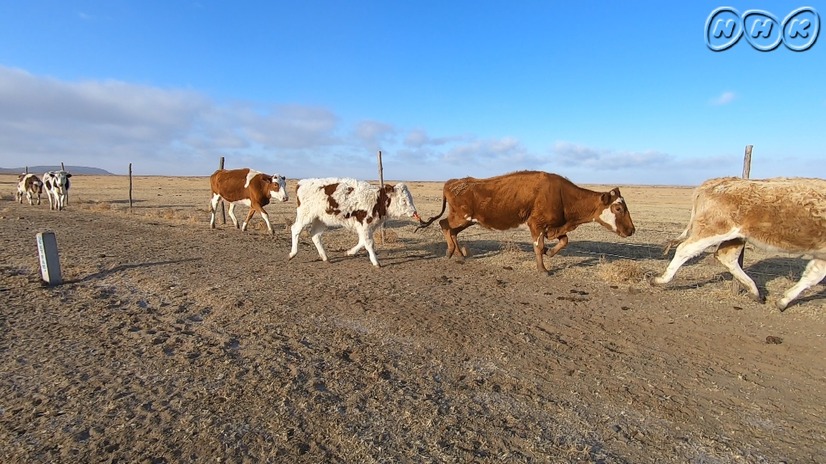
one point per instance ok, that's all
(62, 167)
(223, 212)
(381, 185)
(735, 285)
(27, 169)
(130, 188)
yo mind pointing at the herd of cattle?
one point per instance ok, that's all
(786, 215)
(55, 183)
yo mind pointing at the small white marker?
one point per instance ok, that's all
(49, 259)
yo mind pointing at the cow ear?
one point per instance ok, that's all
(388, 188)
(68, 175)
(610, 197)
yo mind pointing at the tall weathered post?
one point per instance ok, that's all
(381, 185)
(223, 212)
(130, 188)
(735, 285)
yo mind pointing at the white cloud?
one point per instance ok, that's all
(570, 154)
(723, 99)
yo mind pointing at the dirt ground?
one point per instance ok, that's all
(171, 342)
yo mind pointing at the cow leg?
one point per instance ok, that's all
(213, 207)
(538, 236)
(295, 230)
(728, 253)
(814, 273)
(451, 230)
(231, 211)
(250, 214)
(563, 242)
(316, 229)
(366, 237)
(356, 248)
(687, 250)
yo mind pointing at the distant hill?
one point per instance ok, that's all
(72, 169)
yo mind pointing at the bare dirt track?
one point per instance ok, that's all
(171, 342)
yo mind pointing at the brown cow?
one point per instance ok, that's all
(786, 215)
(29, 186)
(549, 204)
(248, 187)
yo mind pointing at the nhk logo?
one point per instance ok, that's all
(798, 31)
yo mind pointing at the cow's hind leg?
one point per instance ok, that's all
(690, 248)
(316, 229)
(538, 236)
(728, 253)
(451, 230)
(814, 273)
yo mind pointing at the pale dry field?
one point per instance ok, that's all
(171, 342)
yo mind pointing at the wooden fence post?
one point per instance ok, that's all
(130, 188)
(735, 285)
(381, 185)
(223, 212)
(62, 167)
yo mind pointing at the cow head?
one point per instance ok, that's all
(400, 201)
(60, 181)
(278, 188)
(614, 214)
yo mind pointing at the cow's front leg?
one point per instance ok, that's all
(814, 273)
(366, 238)
(356, 248)
(295, 230)
(231, 211)
(563, 242)
(250, 214)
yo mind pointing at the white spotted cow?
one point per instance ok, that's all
(247, 187)
(786, 215)
(57, 185)
(353, 204)
(29, 186)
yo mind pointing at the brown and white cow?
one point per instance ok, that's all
(786, 215)
(248, 187)
(350, 203)
(57, 186)
(30, 186)
(549, 204)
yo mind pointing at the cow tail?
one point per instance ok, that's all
(423, 224)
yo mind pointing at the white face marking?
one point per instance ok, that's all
(608, 217)
(280, 194)
(402, 203)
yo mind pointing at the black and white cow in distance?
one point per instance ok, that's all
(57, 188)
(349, 203)
(29, 186)
(248, 187)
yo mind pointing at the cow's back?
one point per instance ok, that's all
(230, 183)
(781, 213)
(505, 201)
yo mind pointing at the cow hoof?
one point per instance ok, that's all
(656, 282)
(464, 252)
(758, 298)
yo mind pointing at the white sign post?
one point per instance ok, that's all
(49, 260)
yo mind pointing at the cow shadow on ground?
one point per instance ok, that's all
(123, 267)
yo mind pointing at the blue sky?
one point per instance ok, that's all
(599, 91)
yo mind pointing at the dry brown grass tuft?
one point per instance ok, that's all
(389, 236)
(510, 246)
(621, 271)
